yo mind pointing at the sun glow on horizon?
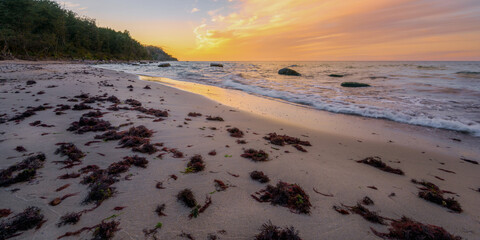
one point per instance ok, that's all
(244, 30)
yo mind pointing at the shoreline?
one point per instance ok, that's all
(347, 125)
(329, 165)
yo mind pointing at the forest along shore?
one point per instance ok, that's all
(93, 152)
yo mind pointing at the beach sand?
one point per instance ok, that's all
(329, 167)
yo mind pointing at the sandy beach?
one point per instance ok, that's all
(327, 169)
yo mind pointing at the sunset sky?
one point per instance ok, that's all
(255, 30)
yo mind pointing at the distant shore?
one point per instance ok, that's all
(327, 171)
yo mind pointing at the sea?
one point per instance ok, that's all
(442, 95)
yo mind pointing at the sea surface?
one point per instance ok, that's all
(434, 94)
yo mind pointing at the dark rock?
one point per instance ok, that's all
(354, 84)
(31, 82)
(289, 72)
(216, 65)
(164, 65)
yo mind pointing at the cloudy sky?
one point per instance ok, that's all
(247, 30)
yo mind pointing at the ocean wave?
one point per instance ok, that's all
(413, 118)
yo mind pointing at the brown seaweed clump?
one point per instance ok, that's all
(140, 132)
(81, 106)
(94, 114)
(86, 124)
(187, 198)
(255, 155)
(235, 132)
(259, 176)
(367, 214)
(432, 193)
(71, 151)
(194, 114)
(377, 163)
(406, 229)
(159, 210)
(30, 218)
(282, 140)
(220, 185)
(137, 161)
(286, 195)
(28, 113)
(196, 164)
(69, 219)
(211, 118)
(151, 111)
(5, 212)
(118, 167)
(133, 102)
(105, 230)
(272, 232)
(22, 171)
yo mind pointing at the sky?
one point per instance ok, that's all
(296, 30)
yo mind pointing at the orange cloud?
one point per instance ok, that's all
(346, 30)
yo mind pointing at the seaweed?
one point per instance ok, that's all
(57, 201)
(94, 114)
(367, 201)
(241, 141)
(200, 209)
(30, 218)
(20, 149)
(220, 185)
(88, 168)
(367, 214)
(99, 192)
(145, 148)
(133, 102)
(186, 235)
(286, 195)
(406, 229)
(377, 163)
(187, 198)
(255, 155)
(62, 187)
(235, 132)
(137, 161)
(152, 232)
(219, 119)
(89, 125)
(259, 176)
(323, 194)
(105, 230)
(341, 210)
(5, 212)
(71, 152)
(212, 153)
(69, 175)
(299, 148)
(196, 164)
(434, 194)
(28, 113)
(268, 231)
(25, 170)
(159, 210)
(282, 140)
(69, 219)
(469, 161)
(62, 107)
(118, 167)
(194, 114)
(151, 111)
(81, 106)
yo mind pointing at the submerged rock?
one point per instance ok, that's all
(164, 65)
(336, 75)
(354, 84)
(289, 72)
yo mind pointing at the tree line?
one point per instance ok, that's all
(42, 29)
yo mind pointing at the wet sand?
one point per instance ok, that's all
(329, 167)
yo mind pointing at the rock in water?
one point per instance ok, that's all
(216, 65)
(164, 65)
(288, 71)
(354, 84)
